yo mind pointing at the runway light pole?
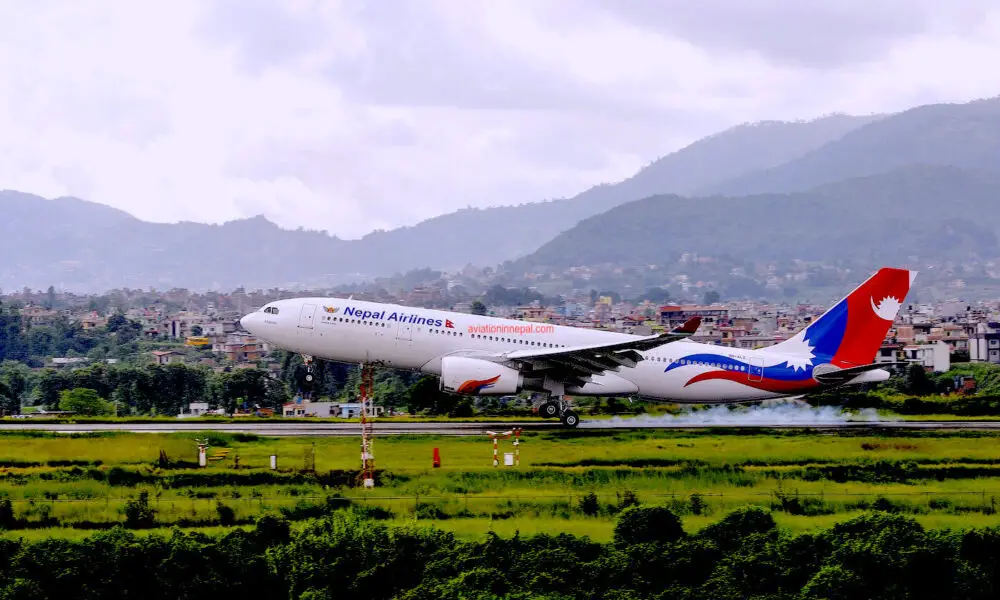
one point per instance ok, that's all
(202, 451)
(515, 456)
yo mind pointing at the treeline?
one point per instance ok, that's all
(150, 390)
(161, 389)
(744, 555)
(31, 344)
(915, 392)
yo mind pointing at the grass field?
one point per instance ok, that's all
(572, 481)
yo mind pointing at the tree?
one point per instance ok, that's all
(138, 513)
(14, 377)
(710, 297)
(478, 308)
(12, 343)
(638, 525)
(426, 395)
(659, 295)
(917, 382)
(6, 399)
(196, 330)
(84, 401)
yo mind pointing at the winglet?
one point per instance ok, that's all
(689, 327)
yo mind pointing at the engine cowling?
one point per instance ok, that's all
(477, 377)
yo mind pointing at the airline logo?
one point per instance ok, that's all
(330, 309)
(401, 317)
(474, 386)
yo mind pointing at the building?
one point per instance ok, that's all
(74, 361)
(984, 344)
(167, 357)
(672, 316)
(343, 410)
(888, 354)
(936, 356)
(240, 348)
(39, 316)
(92, 320)
(195, 409)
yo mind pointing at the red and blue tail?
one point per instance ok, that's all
(850, 333)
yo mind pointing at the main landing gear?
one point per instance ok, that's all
(558, 407)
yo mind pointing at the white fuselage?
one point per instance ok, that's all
(416, 339)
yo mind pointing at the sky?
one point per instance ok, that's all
(350, 116)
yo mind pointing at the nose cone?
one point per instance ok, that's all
(249, 322)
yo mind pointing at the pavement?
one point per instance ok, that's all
(383, 427)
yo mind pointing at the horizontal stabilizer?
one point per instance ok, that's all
(834, 376)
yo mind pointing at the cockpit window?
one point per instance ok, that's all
(271, 310)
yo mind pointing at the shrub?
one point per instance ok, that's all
(589, 504)
(227, 516)
(7, 520)
(272, 529)
(698, 504)
(138, 513)
(639, 524)
(628, 499)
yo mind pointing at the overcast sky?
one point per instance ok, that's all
(350, 115)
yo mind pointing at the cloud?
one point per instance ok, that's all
(350, 116)
(807, 33)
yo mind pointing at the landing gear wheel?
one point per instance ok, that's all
(548, 410)
(570, 419)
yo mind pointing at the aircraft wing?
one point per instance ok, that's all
(576, 364)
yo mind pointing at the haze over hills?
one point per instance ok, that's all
(960, 135)
(916, 211)
(80, 244)
(492, 235)
(89, 247)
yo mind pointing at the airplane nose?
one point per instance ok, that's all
(247, 322)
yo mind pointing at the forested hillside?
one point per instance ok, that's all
(959, 135)
(915, 211)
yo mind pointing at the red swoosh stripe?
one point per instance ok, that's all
(472, 386)
(769, 385)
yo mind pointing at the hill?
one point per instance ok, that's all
(941, 212)
(493, 235)
(959, 135)
(90, 247)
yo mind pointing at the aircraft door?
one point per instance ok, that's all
(405, 332)
(306, 316)
(756, 372)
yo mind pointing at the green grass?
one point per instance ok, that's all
(811, 480)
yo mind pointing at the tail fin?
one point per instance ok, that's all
(850, 333)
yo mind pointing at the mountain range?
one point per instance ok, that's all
(774, 188)
(911, 214)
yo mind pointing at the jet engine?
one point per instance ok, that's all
(477, 377)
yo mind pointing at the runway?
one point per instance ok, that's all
(391, 428)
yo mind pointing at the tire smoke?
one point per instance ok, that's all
(772, 414)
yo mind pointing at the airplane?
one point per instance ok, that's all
(481, 356)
